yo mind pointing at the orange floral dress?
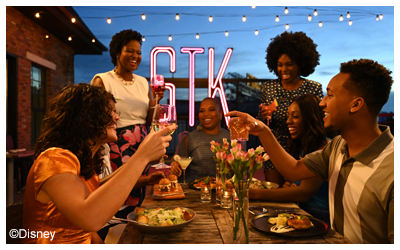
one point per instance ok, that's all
(43, 222)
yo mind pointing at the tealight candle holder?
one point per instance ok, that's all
(226, 199)
(205, 194)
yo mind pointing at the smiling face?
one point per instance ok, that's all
(337, 104)
(295, 121)
(210, 116)
(287, 70)
(130, 56)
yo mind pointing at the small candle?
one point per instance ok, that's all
(226, 194)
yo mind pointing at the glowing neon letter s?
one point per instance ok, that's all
(192, 52)
(172, 68)
(217, 86)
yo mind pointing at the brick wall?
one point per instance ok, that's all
(24, 36)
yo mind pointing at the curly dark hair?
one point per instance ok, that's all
(370, 80)
(121, 39)
(315, 135)
(298, 46)
(76, 118)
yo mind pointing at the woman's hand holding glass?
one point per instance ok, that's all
(254, 126)
(158, 87)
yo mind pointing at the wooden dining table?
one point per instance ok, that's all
(214, 225)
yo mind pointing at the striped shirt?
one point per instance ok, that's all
(368, 193)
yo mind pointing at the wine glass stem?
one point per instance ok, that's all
(161, 161)
(184, 177)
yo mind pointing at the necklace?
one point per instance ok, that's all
(122, 79)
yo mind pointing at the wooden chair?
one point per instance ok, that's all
(14, 217)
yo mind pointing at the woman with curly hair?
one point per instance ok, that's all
(134, 101)
(307, 134)
(291, 56)
(63, 197)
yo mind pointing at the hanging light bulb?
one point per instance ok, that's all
(70, 38)
(253, 7)
(320, 24)
(210, 19)
(226, 33)
(381, 16)
(287, 26)
(286, 10)
(341, 18)
(244, 18)
(197, 36)
(277, 18)
(350, 23)
(256, 32)
(170, 38)
(143, 39)
(73, 20)
(348, 14)
(93, 40)
(377, 18)
(47, 36)
(143, 17)
(309, 18)
(109, 20)
(315, 13)
(37, 15)
(177, 17)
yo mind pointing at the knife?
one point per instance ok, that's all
(161, 195)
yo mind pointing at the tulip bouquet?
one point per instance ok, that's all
(242, 165)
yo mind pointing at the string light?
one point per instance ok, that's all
(197, 36)
(93, 40)
(350, 23)
(210, 19)
(287, 26)
(170, 38)
(73, 20)
(309, 18)
(37, 15)
(341, 18)
(277, 19)
(320, 24)
(226, 33)
(143, 39)
(253, 7)
(109, 20)
(70, 38)
(286, 10)
(143, 17)
(381, 16)
(177, 17)
(256, 32)
(377, 18)
(47, 36)
(244, 18)
(348, 14)
(315, 13)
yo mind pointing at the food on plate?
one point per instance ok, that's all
(174, 180)
(165, 185)
(205, 181)
(257, 184)
(163, 217)
(298, 222)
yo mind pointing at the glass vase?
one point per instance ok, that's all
(241, 213)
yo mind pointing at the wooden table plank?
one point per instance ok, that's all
(214, 225)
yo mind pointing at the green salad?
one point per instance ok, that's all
(160, 216)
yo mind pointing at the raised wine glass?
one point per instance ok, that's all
(157, 85)
(164, 115)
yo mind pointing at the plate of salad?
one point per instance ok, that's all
(158, 220)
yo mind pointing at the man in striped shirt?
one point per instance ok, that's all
(359, 164)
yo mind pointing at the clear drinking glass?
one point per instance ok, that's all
(238, 130)
(184, 162)
(164, 115)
